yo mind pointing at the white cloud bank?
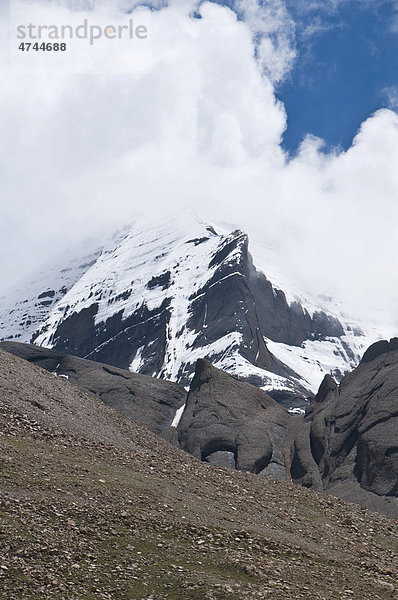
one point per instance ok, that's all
(191, 118)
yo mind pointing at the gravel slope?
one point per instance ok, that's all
(96, 507)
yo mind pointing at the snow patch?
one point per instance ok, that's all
(137, 361)
(177, 416)
(296, 411)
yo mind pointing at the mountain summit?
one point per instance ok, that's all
(164, 294)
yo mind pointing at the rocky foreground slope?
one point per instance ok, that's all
(95, 506)
(346, 444)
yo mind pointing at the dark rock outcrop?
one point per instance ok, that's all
(231, 423)
(353, 430)
(379, 348)
(347, 443)
(145, 400)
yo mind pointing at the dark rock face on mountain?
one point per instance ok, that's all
(233, 423)
(116, 340)
(239, 298)
(145, 400)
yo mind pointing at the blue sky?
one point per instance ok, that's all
(343, 72)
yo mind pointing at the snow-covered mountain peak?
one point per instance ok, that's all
(168, 291)
(141, 266)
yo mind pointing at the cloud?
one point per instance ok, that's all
(273, 31)
(390, 93)
(191, 118)
(316, 16)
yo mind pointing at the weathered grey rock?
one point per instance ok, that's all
(145, 400)
(347, 443)
(353, 429)
(227, 418)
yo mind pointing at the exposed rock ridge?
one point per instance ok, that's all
(353, 428)
(379, 348)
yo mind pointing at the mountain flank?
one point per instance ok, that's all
(96, 506)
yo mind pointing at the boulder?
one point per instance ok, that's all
(232, 423)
